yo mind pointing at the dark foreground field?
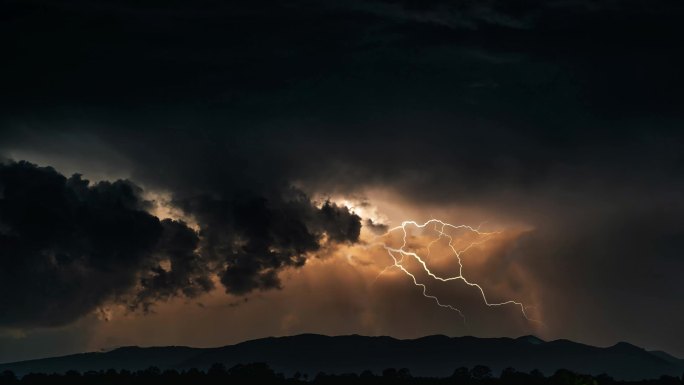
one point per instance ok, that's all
(260, 373)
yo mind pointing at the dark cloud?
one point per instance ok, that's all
(254, 237)
(376, 227)
(69, 246)
(563, 115)
(60, 236)
(187, 273)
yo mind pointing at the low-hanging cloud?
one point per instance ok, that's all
(68, 246)
(253, 238)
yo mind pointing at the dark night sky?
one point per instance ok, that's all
(209, 134)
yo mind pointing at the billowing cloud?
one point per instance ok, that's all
(253, 237)
(69, 246)
(184, 270)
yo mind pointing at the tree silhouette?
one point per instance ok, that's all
(536, 373)
(217, 370)
(8, 377)
(262, 374)
(461, 375)
(481, 372)
(389, 373)
(367, 375)
(404, 374)
(508, 374)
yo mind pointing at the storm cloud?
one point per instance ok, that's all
(69, 246)
(256, 237)
(560, 117)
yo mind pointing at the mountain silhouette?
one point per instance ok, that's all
(436, 356)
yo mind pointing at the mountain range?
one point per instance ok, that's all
(435, 355)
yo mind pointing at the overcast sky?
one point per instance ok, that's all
(238, 162)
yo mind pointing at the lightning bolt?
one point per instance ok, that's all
(399, 254)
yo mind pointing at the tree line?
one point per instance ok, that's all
(262, 374)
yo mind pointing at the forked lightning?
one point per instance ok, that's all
(398, 255)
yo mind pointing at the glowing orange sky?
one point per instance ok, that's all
(341, 291)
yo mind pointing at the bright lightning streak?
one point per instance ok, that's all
(398, 264)
(441, 228)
